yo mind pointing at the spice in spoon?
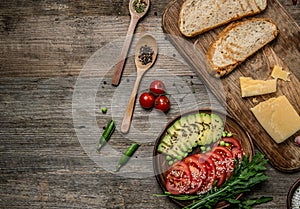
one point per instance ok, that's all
(146, 55)
(139, 6)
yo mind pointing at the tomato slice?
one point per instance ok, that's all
(223, 151)
(220, 167)
(232, 141)
(237, 154)
(211, 174)
(178, 178)
(228, 159)
(198, 173)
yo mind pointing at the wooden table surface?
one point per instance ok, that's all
(55, 76)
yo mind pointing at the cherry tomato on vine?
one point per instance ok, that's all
(157, 87)
(147, 100)
(162, 103)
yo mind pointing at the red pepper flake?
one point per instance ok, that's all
(294, 2)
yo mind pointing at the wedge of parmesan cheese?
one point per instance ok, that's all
(250, 87)
(278, 117)
(278, 73)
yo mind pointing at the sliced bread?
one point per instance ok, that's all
(198, 16)
(237, 42)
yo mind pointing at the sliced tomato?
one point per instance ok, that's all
(231, 141)
(220, 167)
(178, 178)
(223, 151)
(211, 174)
(228, 159)
(198, 173)
(237, 154)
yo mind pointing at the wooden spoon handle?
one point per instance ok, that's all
(130, 107)
(118, 68)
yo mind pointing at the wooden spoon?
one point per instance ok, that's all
(148, 43)
(135, 17)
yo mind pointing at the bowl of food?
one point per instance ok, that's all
(196, 152)
(293, 197)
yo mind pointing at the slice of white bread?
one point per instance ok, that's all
(198, 16)
(237, 42)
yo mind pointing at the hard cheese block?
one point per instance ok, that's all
(278, 73)
(250, 87)
(278, 117)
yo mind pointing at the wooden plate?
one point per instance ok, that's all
(160, 163)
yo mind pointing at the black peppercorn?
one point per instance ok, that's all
(146, 55)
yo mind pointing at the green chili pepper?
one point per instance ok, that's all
(126, 156)
(111, 126)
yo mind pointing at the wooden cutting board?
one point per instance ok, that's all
(284, 51)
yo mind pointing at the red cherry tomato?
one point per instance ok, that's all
(147, 100)
(157, 87)
(178, 178)
(162, 103)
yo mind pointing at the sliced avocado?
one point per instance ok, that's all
(202, 134)
(177, 125)
(206, 121)
(184, 121)
(217, 127)
(173, 132)
(167, 140)
(191, 119)
(190, 131)
(176, 135)
(163, 148)
(194, 133)
(197, 118)
(172, 151)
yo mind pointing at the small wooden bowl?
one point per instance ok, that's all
(291, 192)
(160, 163)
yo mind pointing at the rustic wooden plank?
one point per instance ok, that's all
(44, 47)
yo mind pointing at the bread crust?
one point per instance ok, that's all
(218, 24)
(218, 71)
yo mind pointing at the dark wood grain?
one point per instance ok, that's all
(44, 45)
(284, 156)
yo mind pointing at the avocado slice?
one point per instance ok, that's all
(217, 127)
(170, 147)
